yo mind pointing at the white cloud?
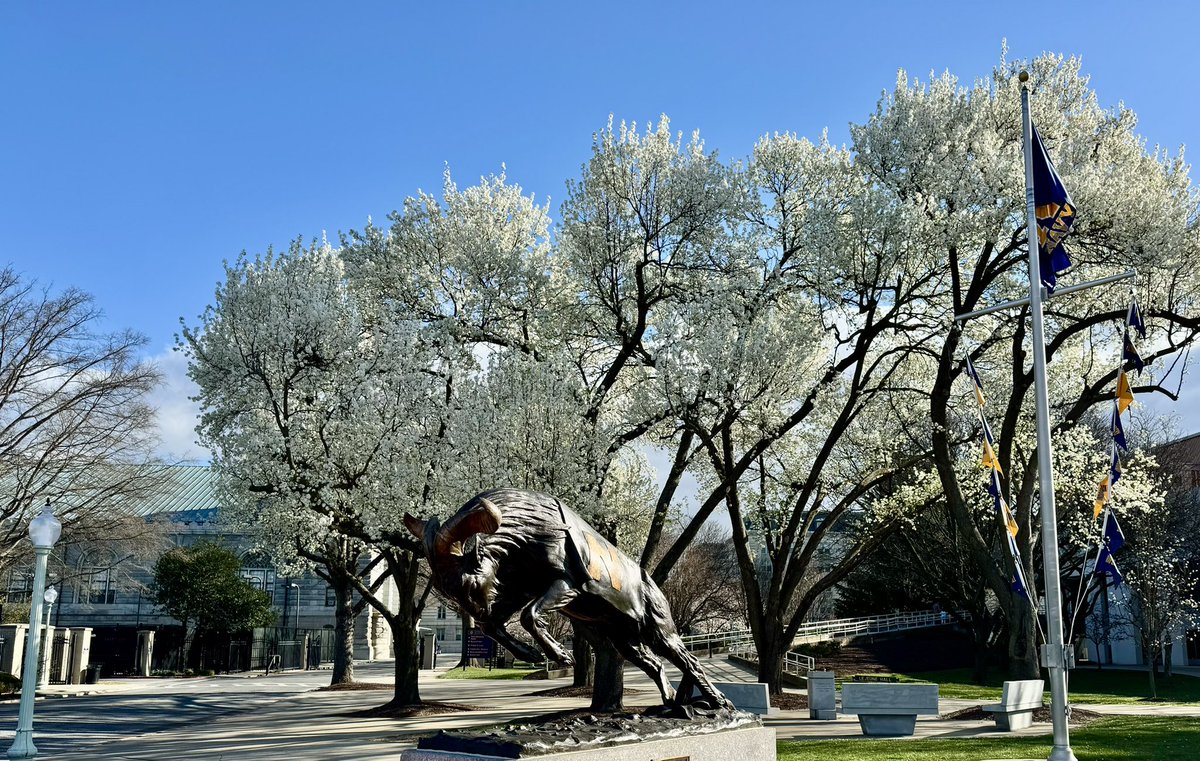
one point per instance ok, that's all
(177, 414)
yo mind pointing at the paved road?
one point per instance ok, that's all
(281, 718)
(126, 708)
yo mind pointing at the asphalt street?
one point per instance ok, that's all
(146, 706)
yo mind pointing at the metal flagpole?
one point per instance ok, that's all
(1054, 656)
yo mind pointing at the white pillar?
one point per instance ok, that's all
(81, 652)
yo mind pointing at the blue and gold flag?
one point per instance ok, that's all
(1114, 469)
(1134, 320)
(1130, 353)
(978, 384)
(1055, 215)
(1124, 392)
(1118, 429)
(1114, 537)
(1106, 564)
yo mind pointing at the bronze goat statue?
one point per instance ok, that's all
(531, 554)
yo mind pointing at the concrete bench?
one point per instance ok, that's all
(750, 697)
(1017, 704)
(889, 710)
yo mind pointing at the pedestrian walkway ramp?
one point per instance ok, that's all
(740, 643)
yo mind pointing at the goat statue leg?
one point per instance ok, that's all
(558, 596)
(509, 642)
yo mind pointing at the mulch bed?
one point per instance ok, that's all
(355, 687)
(389, 711)
(1079, 716)
(789, 702)
(575, 692)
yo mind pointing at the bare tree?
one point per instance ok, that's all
(75, 425)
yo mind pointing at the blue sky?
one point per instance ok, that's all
(143, 143)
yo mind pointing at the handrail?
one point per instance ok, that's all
(740, 642)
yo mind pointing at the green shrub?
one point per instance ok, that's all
(9, 684)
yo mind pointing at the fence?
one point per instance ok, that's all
(175, 650)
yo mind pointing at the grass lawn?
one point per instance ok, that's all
(1120, 738)
(1085, 686)
(473, 672)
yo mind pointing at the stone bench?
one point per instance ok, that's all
(750, 697)
(889, 710)
(1017, 704)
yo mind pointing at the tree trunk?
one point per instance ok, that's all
(584, 673)
(405, 641)
(980, 634)
(1022, 643)
(771, 653)
(608, 689)
(1168, 646)
(343, 646)
(403, 623)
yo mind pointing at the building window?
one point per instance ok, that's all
(441, 612)
(330, 597)
(457, 634)
(441, 634)
(96, 587)
(1195, 476)
(20, 586)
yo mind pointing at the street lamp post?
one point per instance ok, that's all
(296, 594)
(44, 531)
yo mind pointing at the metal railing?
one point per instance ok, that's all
(798, 664)
(740, 642)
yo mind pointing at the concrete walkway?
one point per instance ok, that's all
(263, 722)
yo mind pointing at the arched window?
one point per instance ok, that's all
(257, 569)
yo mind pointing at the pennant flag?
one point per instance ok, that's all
(1055, 214)
(1106, 564)
(1114, 469)
(1006, 516)
(1114, 537)
(1134, 319)
(1124, 393)
(993, 486)
(1019, 585)
(978, 384)
(1101, 499)
(1130, 354)
(989, 457)
(1118, 430)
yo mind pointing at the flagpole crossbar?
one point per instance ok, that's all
(1059, 292)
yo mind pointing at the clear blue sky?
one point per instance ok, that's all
(143, 143)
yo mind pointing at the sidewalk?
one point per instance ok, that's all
(311, 726)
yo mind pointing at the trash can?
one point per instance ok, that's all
(91, 675)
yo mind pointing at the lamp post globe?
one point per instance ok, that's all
(44, 531)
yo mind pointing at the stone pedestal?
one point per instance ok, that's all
(745, 744)
(145, 652)
(81, 653)
(428, 650)
(13, 653)
(822, 696)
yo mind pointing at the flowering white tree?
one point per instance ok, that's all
(951, 156)
(321, 413)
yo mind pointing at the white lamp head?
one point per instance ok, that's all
(51, 596)
(45, 529)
